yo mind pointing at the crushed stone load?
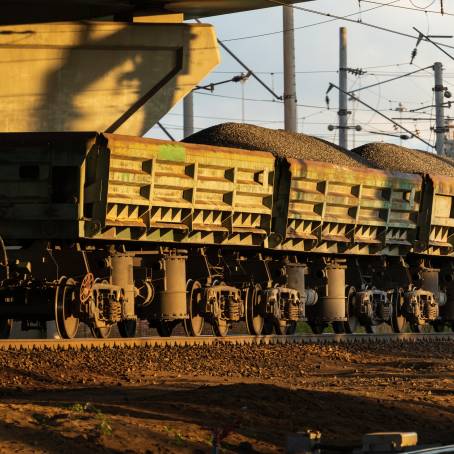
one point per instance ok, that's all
(280, 143)
(393, 157)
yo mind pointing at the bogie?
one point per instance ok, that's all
(218, 236)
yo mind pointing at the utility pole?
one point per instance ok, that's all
(188, 114)
(343, 98)
(440, 126)
(290, 108)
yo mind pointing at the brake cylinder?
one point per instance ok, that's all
(333, 300)
(296, 273)
(123, 276)
(172, 301)
(430, 282)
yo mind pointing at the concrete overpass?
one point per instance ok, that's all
(33, 11)
(121, 69)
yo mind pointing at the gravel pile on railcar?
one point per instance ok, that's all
(393, 157)
(280, 143)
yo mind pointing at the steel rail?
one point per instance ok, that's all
(94, 343)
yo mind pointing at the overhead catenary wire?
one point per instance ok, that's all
(390, 80)
(321, 107)
(308, 106)
(383, 115)
(365, 24)
(261, 35)
(247, 68)
(420, 10)
(437, 45)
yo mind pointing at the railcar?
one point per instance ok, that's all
(107, 230)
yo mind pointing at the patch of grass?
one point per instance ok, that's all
(77, 408)
(104, 426)
(179, 439)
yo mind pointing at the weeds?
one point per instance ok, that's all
(104, 426)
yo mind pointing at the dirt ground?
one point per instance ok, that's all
(169, 400)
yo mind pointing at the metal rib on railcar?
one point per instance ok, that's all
(332, 209)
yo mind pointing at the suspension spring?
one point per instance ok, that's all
(384, 311)
(232, 309)
(112, 311)
(431, 310)
(291, 310)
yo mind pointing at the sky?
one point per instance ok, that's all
(381, 54)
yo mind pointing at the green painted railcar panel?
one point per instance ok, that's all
(167, 192)
(436, 234)
(334, 209)
(117, 188)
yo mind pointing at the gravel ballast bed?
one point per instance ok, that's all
(278, 142)
(393, 157)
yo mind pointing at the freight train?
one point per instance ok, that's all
(108, 230)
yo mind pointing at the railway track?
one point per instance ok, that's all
(182, 341)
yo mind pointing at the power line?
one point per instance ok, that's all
(366, 24)
(437, 45)
(420, 10)
(390, 80)
(309, 106)
(249, 70)
(261, 121)
(261, 35)
(380, 113)
(423, 7)
(320, 71)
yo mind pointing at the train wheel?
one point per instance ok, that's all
(101, 333)
(194, 324)
(352, 324)
(66, 308)
(165, 328)
(339, 327)
(398, 321)
(220, 327)
(127, 328)
(254, 318)
(6, 325)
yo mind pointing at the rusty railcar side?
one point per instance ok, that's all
(118, 188)
(42, 192)
(329, 209)
(436, 227)
(160, 191)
